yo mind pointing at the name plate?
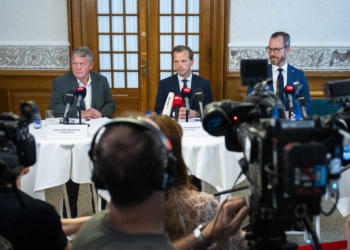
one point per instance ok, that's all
(193, 129)
(69, 131)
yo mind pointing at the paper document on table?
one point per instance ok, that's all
(193, 129)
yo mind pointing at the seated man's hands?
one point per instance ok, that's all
(91, 114)
(229, 219)
(182, 113)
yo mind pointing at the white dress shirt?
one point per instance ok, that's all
(87, 99)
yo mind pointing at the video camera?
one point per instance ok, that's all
(289, 163)
(17, 145)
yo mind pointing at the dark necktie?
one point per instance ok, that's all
(185, 82)
(280, 89)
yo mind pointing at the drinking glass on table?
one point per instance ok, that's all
(49, 117)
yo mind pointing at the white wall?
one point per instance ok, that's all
(310, 23)
(33, 22)
(34, 34)
(319, 30)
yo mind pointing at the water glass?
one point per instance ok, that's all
(49, 117)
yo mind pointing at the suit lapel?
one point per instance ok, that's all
(290, 75)
(175, 85)
(269, 75)
(94, 90)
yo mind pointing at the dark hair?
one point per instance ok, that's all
(173, 132)
(181, 48)
(286, 37)
(83, 52)
(126, 159)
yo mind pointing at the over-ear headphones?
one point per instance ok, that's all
(163, 177)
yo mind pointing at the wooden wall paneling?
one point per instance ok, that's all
(218, 47)
(26, 85)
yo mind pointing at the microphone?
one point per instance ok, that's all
(177, 104)
(80, 93)
(302, 102)
(199, 96)
(289, 92)
(186, 95)
(168, 104)
(69, 102)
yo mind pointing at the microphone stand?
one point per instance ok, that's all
(201, 109)
(79, 113)
(291, 106)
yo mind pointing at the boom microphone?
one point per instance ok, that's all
(199, 97)
(168, 104)
(289, 92)
(177, 104)
(69, 102)
(186, 95)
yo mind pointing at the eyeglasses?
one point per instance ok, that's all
(275, 50)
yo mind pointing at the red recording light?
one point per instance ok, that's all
(235, 118)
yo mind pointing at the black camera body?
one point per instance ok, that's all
(17, 145)
(289, 163)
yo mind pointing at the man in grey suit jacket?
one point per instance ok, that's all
(98, 101)
(278, 49)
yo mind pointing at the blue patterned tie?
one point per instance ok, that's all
(280, 89)
(185, 83)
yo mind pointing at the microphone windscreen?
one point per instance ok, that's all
(81, 91)
(198, 95)
(70, 96)
(289, 90)
(177, 101)
(185, 92)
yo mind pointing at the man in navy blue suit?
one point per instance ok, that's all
(183, 60)
(278, 50)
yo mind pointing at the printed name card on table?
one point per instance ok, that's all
(193, 129)
(69, 131)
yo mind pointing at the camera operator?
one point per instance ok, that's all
(26, 222)
(134, 161)
(36, 225)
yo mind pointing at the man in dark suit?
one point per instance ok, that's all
(183, 60)
(278, 50)
(98, 101)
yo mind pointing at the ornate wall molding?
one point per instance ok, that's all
(312, 59)
(34, 57)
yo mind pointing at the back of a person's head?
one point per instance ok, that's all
(173, 131)
(127, 157)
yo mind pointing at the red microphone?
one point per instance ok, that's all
(80, 93)
(177, 104)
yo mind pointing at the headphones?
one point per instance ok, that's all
(163, 177)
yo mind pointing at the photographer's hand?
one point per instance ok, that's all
(227, 220)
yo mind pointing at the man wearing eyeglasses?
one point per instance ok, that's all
(282, 73)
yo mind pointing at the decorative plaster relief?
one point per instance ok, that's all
(34, 58)
(323, 59)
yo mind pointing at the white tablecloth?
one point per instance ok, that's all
(59, 160)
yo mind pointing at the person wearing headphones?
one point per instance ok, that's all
(133, 160)
(195, 208)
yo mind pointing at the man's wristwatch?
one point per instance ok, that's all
(201, 240)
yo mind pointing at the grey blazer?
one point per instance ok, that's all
(101, 98)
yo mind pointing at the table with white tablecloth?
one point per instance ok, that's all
(59, 160)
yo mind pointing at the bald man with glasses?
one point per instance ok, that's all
(282, 73)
